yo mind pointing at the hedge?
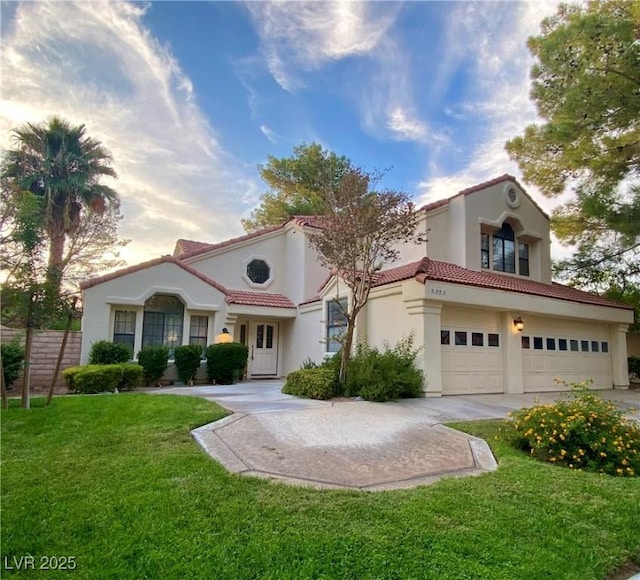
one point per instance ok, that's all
(226, 362)
(105, 352)
(188, 358)
(103, 378)
(311, 383)
(154, 361)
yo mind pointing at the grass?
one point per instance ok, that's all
(117, 482)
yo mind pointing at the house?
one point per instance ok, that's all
(478, 297)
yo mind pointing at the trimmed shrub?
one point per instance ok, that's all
(582, 432)
(226, 361)
(12, 359)
(69, 375)
(634, 366)
(154, 360)
(97, 378)
(311, 383)
(132, 375)
(105, 352)
(188, 359)
(384, 375)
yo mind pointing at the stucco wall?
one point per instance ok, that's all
(304, 338)
(490, 206)
(230, 266)
(387, 319)
(130, 291)
(45, 350)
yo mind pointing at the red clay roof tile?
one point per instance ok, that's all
(249, 298)
(188, 246)
(195, 251)
(427, 269)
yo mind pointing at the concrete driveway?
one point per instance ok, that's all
(353, 444)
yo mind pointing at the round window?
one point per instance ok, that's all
(258, 271)
(512, 196)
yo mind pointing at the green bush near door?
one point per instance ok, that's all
(226, 362)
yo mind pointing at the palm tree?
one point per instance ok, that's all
(62, 166)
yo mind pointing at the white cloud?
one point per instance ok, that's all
(271, 135)
(95, 63)
(499, 106)
(304, 35)
(408, 127)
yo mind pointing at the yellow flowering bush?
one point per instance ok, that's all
(581, 432)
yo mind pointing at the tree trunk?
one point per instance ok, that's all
(5, 401)
(346, 349)
(28, 344)
(63, 346)
(54, 265)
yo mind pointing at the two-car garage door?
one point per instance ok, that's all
(472, 353)
(571, 351)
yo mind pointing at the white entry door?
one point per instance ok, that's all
(264, 348)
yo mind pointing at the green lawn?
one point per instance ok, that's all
(117, 483)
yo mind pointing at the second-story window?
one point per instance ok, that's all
(498, 251)
(504, 249)
(258, 271)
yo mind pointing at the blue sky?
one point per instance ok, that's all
(191, 96)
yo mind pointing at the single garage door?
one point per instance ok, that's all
(571, 352)
(471, 351)
(471, 361)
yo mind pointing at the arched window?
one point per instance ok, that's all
(162, 322)
(504, 249)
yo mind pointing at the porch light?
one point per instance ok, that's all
(519, 324)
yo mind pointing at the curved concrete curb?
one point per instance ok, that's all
(417, 455)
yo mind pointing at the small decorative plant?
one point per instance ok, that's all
(581, 432)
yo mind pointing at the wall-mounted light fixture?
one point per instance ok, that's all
(519, 324)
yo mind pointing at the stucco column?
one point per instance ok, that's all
(513, 372)
(229, 323)
(426, 322)
(137, 338)
(619, 356)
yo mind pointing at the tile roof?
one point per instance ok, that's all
(311, 221)
(188, 246)
(428, 269)
(396, 274)
(197, 248)
(249, 298)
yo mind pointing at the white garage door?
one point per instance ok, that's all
(471, 349)
(571, 352)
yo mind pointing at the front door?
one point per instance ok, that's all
(264, 348)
